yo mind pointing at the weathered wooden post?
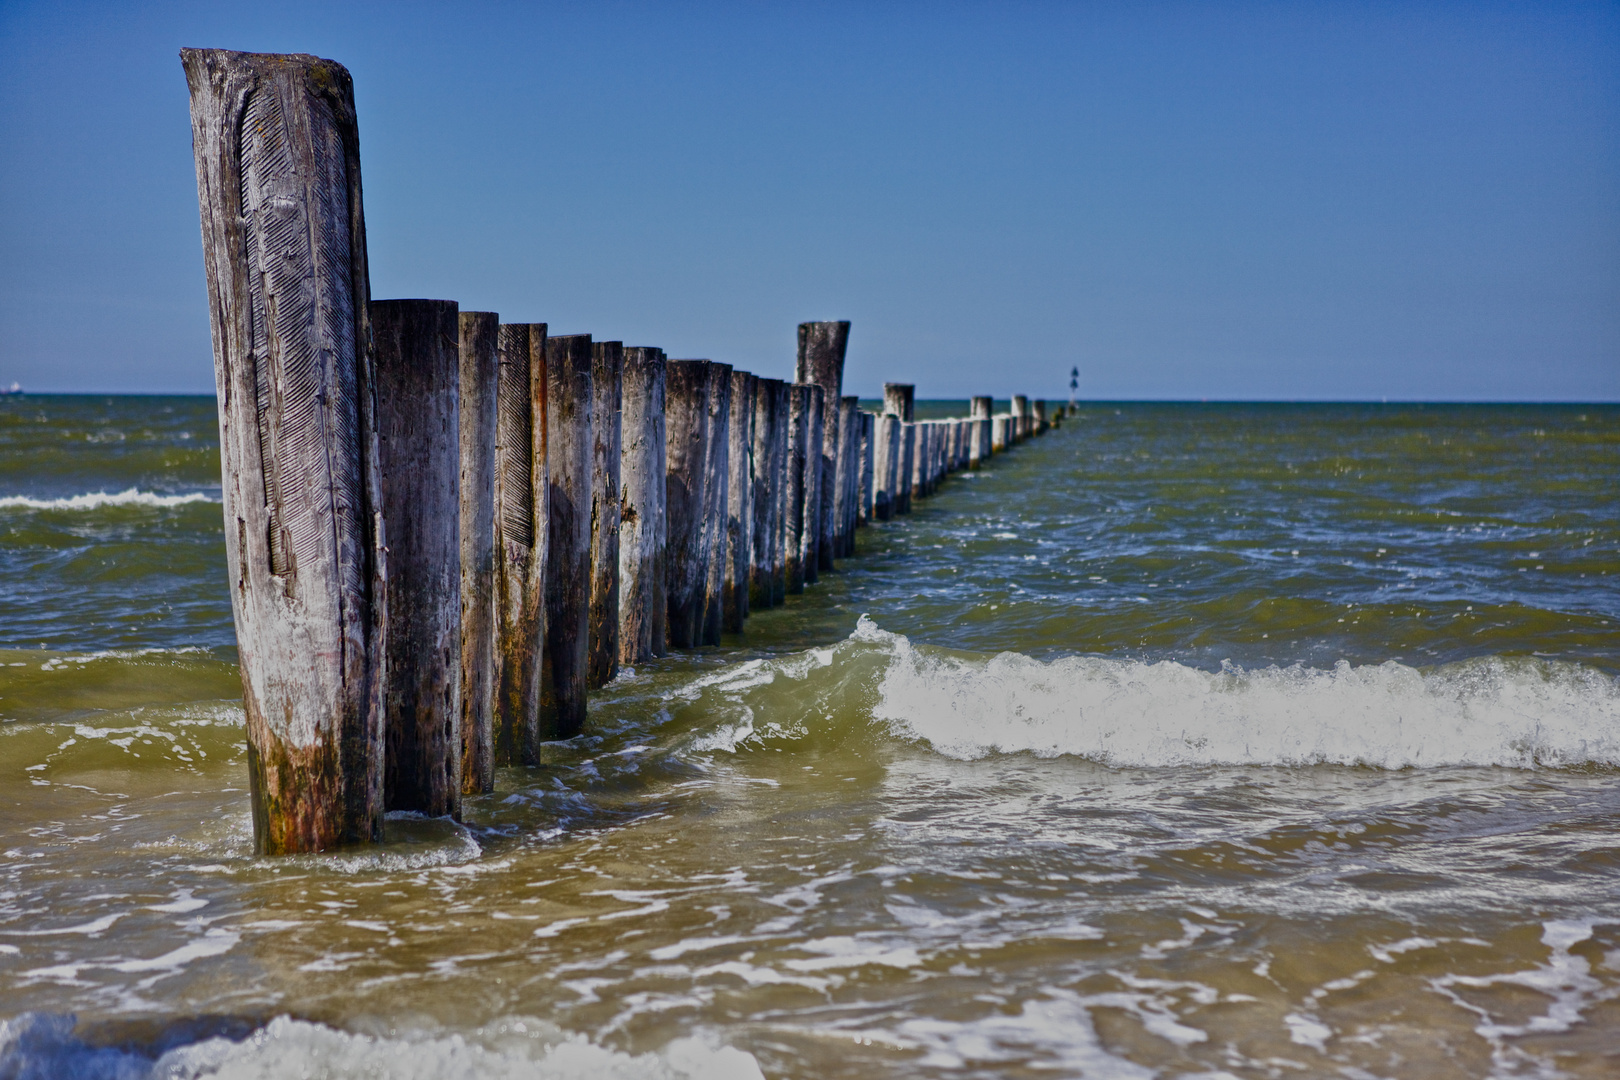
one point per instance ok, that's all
(521, 498)
(867, 449)
(416, 343)
(798, 464)
(565, 662)
(767, 471)
(919, 461)
(979, 432)
(1004, 434)
(782, 486)
(479, 376)
(719, 486)
(849, 473)
(740, 502)
(821, 363)
(906, 461)
(643, 600)
(284, 250)
(1039, 417)
(686, 421)
(885, 466)
(810, 537)
(899, 399)
(607, 383)
(1021, 418)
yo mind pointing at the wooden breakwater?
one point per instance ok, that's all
(443, 529)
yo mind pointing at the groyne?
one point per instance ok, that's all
(442, 528)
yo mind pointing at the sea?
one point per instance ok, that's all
(1185, 740)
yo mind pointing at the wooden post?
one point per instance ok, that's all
(899, 400)
(782, 487)
(643, 601)
(849, 473)
(794, 486)
(867, 451)
(718, 465)
(885, 466)
(740, 502)
(906, 461)
(607, 383)
(767, 460)
(480, 374)
(1021, 416)
(284, 251)
(1040, 420)
(821, 363)
(979, 432)
(810, 536)
(521, 498)
(1001, 432)
(921, 474)
(686, 422)
(419, 434)
(564, 663)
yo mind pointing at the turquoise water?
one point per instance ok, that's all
(1250, 740)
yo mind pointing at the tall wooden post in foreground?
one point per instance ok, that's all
(284, 248)
(522, 496)
(642, 599)
(419, 438)
(480, 372)
(686, 498)
(607, 380)
(565, 663)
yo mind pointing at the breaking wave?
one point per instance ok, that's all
(1516, 713)
(40, 1046)
(97, 500)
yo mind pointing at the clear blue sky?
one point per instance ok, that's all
(1222, 200)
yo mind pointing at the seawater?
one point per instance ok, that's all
(1187, 740)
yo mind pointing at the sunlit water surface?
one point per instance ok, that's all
(1184, 741)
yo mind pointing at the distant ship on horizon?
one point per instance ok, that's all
(14, 388)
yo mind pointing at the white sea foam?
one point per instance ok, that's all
(36, 1046)
(1495, 712)
(96, 500)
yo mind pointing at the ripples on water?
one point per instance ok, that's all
(1251, 741)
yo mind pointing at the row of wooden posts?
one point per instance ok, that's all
(443, 530)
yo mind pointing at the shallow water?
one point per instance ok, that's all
(1183, 741)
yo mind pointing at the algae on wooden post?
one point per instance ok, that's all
(284, 250)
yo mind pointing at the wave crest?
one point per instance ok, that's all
(1515, 713)
(97, 500)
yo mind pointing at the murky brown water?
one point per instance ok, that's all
(830, 850)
